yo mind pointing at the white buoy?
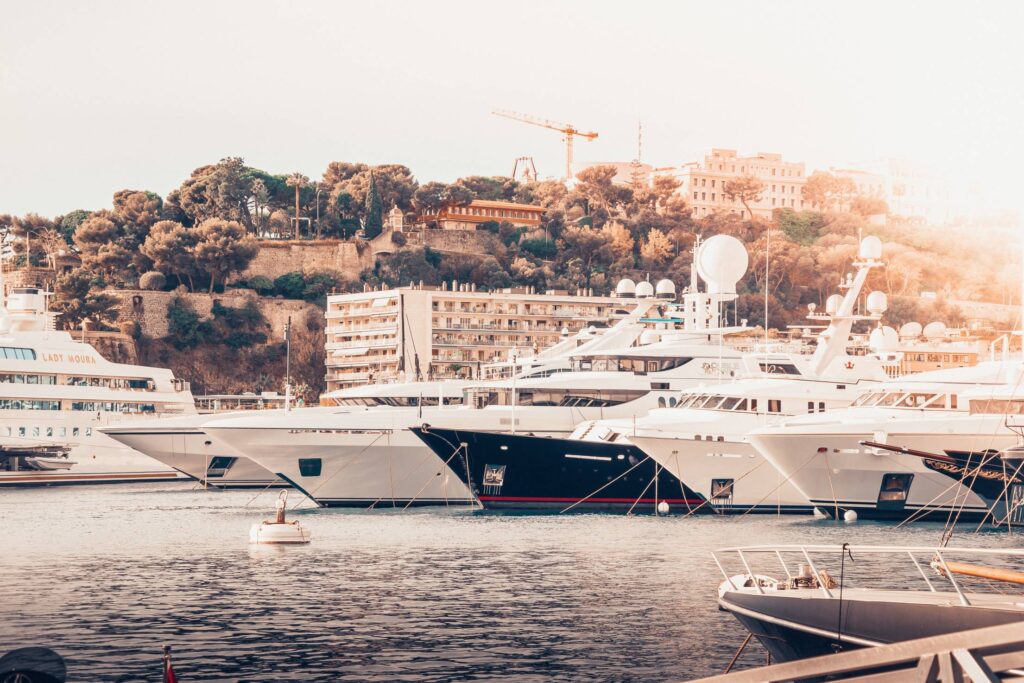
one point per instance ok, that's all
(850, 516)
(279, 530)
(819, 513)
(663, 508)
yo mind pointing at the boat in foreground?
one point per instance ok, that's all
(811, 612)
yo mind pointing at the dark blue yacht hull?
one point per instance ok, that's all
(520, 472)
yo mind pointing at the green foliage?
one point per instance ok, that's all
(152, 280)
(489, 226)
(802, 227)
(398, 239)
(408, 265)
(185, 329)
(373, 223)
(539, 247)
(70, 222)
(290, 285)
(76, 297)
(261, 284)
(432, 257)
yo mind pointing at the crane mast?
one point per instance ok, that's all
(567, 129)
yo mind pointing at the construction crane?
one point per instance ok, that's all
(570, 131)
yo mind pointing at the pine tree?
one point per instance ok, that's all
(373, 223)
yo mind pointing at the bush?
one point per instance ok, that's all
(539, 247)
(490, 226)
(261, 284)
(398, 238)
(153, 280)
(322, 283)
(184, 327)
(290, 285)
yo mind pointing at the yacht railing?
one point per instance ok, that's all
(938, 561)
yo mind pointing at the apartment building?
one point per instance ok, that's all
(704, 183)
(430, 332)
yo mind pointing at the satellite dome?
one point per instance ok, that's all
(883, 339)
(644, 290)
(871, 248)
(625, 288)
(721, 261)
(877, 302)
(832, 303)
(665, 289)
(910, 330)
(935, 330)
(565, 331)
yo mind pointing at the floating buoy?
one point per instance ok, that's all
(663, 508)
(820, 514)
(279, 530)
(850, 516)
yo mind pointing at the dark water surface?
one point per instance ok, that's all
(106, 575)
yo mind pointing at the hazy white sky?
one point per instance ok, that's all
(100, 96)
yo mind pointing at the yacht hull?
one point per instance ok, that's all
(195, 454)
(358, 468)
(516, 472)
(836, 473)
(731, 475)
(802, 623)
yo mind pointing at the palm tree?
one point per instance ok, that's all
(298, 181)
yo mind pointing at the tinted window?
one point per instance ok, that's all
(310, 467)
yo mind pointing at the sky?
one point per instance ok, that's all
(101, 96)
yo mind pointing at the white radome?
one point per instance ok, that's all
(625, 288)
(877, 302)
(721, 261)
(665, 289)
(871, 248)
(832, 303)
(644, 290)
(911, 330)
(935, 330)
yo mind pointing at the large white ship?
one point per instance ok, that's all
(55, 395)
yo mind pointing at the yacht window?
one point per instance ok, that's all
(867, 399)
(35, 431)
(88, 431)
(774, 405)
(810, 406)
(998, 407)
(21, 431)
(952, 401)
(753, 405)
(49, 431)
(63, 431)
(821, 406)
(915, 400)
(742, 405)
(661, 401)
(730, 403)
(779, 368)
(672, 403)
(310, 467)
(714, 402)
(890, 399)
(18, 353)
(74, 431)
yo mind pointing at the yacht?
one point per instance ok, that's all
(183, 444)
(805, 610)
(59, 392)
(840, 460)
(700, 439)
(371, 458)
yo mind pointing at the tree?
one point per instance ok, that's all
(223, 248)
(170, 246)
(746, 189)
(585, 251)
(298, 181)
(75, 300)
(70, 222)
(597, 185)
(656, 250)
(153, 280)
(97, 240)
(665, 188)
(869, 206)
(373, 223)
(622, 242)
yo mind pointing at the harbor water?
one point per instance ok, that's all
(106, 575)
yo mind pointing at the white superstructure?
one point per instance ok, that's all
(55, 394)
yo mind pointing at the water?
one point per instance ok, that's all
(107, 575)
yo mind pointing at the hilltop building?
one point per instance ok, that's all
(410, 332)
(482, 211)
(908, 190)
(703, 184)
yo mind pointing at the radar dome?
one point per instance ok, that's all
(644, 290)
(877, 302)
(721, 262)
(665, 289)
(871, 248)
(935, 330)
(625, 288)
(832, 303)
(910, 330)
(883, 339)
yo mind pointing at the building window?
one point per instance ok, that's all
(703, 195)
(712, 182)
(694, 195)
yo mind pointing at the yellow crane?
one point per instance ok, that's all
(567, 129)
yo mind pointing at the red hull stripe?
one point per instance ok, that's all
(62, 477)
(532, 499)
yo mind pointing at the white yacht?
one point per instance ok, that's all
(371, 457)
(58, 392)
(183, 444)
(831, 460)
